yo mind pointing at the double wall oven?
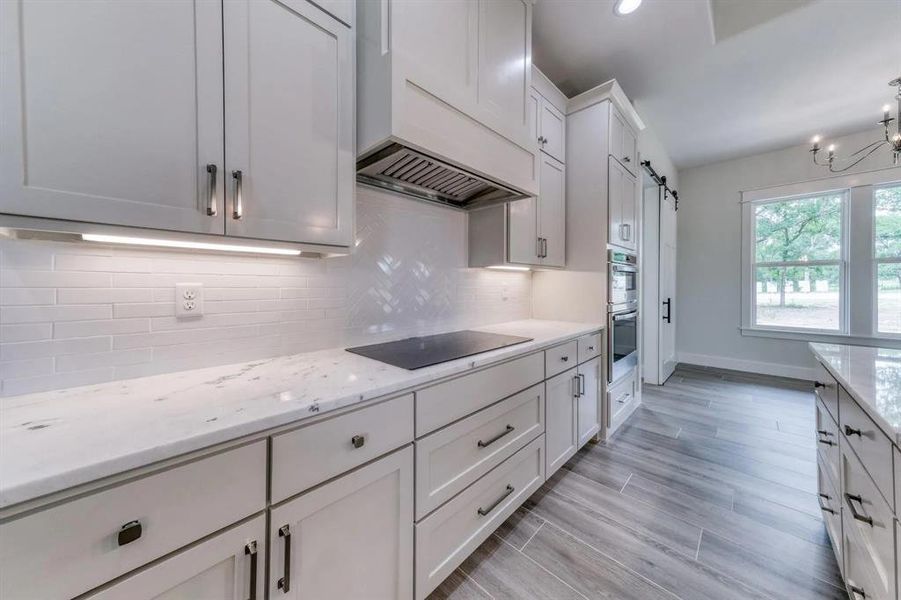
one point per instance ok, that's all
(622, 313)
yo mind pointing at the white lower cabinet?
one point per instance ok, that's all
(589, 406)
(227, 566)
(561, 418)
(349, 538)
(446, 537)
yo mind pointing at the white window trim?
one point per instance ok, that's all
(852, 331)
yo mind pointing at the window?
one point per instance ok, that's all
(798, 266)
(887, 251)
(821, 260)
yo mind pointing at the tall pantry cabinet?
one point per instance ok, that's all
(113, 112)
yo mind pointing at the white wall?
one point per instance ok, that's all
(75, 313)
(709, 257)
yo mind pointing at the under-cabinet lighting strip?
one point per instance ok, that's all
(140, 241)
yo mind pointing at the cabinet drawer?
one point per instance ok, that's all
(560, 358)
(872, 521)
(831, 508)
(620, 396)
(828, 440)
(449, 460)
(446, 402)
(308, 456)
(73, 547)
(446, 537)
(589, 346)
(872, 446)
(827, 389)
(862, 576)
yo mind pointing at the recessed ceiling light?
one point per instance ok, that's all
(624, 7)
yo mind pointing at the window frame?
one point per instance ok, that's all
(858, 297)
(876, 261)
(841, 262)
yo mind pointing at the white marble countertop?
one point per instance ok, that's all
(872, 376)
(52, 441)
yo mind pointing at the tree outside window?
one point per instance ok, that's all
(887, 253)
(798, 250)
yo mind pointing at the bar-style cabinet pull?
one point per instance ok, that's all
(251, 551)
(581, 384)
(238, 210)
(543, 247)
(576, 387)
(507, 430)
(483, 512)
(212, 205)
(825, 508)
(818, 384)
(851, 498)
(852, 431)
(284, 584)
(858, 591)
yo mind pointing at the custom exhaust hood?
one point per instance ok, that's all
(406, 171)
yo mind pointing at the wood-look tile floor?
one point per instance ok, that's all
(708, 492)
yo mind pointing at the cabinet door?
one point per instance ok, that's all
(111, 112)
(553, 131)
(552, 212)
(630, 151)
(589, 396)
(228, 566)
(615, 202)
(289, 123)
(617, 126)
(560, 419)
(629, 233)
(522, 231)
(505, 65)
(351, 538)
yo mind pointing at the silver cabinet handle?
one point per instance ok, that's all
(851, 498)
(251, 550)
(544, 248)
(284, 583)
(849, 431)
(825, 508)
(858, 591)
(507, 430)
(576, 386)
(581, 384)
(627, 232)
(626, 159)
(357, 441)
(538, 247)
(483, 512)
(211, 202)
(238, 211)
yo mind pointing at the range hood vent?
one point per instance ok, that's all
(400, 169)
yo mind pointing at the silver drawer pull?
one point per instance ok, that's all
(211, 203)
(852, 431)
(238, 211)
(858, 516)
(818, 384)
(564, 358)
(482, 444)
(484, 511)
(858, 591)
(357, 441)
(591, 348)
(825, 442)
(284, 582)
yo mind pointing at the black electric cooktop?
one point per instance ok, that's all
(417, 352)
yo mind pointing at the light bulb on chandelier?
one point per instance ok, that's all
(893, 141)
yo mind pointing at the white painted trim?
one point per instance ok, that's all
(826, 184)
(609, 90)
(748, 366)
(546, 87)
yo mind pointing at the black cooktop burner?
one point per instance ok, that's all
(417, 352)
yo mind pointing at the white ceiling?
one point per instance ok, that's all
(773, 79)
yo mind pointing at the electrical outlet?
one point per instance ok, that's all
(188, 300)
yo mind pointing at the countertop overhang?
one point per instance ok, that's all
(53, 441)
(872, 376)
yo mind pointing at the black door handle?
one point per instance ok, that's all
(668, 303)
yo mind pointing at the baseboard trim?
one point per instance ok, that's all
(748, 366)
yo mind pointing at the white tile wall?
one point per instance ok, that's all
(76, 313)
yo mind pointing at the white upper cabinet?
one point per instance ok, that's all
(451, 79)
(623, 207)
(524, 244)
(552, 138)
(289, 109)
(552, 213)
(111, 112)
(623, 146)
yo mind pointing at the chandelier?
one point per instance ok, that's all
(894, 141)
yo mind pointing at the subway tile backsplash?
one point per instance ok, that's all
(76, 313)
